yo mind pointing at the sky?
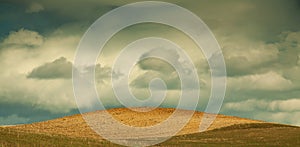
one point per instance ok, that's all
(260, 41)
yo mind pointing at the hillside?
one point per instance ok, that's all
(225, 130)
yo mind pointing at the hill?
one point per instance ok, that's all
(72, 130)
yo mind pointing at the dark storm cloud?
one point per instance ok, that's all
(256, 19)
(59, 68)
(62, 69)
(14, 17)
(171, 80)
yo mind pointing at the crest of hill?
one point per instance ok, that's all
(75, 125)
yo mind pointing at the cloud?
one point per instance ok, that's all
(34, 8)
(159, 64)
(157, 68)
(292, 38)
(44, 92)
(247, 106)
(289, 105)
(285, 105)
(102, 73)
(242, 16)
(155, 65)
(59, 68)
(284, 111)
(152, 68)
(283, 117)
(293, 74)
(248, 57)
(261, 54)
(24, 37)
(54, 96)
(270, 81)
(171, 80)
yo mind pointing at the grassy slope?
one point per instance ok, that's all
(265, 134)
(237, 135)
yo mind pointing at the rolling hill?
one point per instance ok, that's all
(226, 130)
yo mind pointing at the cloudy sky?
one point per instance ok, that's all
(260, 41)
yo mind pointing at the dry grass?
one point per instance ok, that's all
(75, 125)
(73, 130)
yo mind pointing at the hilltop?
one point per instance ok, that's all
(224, 130)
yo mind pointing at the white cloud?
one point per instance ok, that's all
(285, 105)
(266, 81)
(24, 37)
(281, 111)
(254, 53)
(245, 57)
(246, 106)
(290, 105)
(54, 95)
